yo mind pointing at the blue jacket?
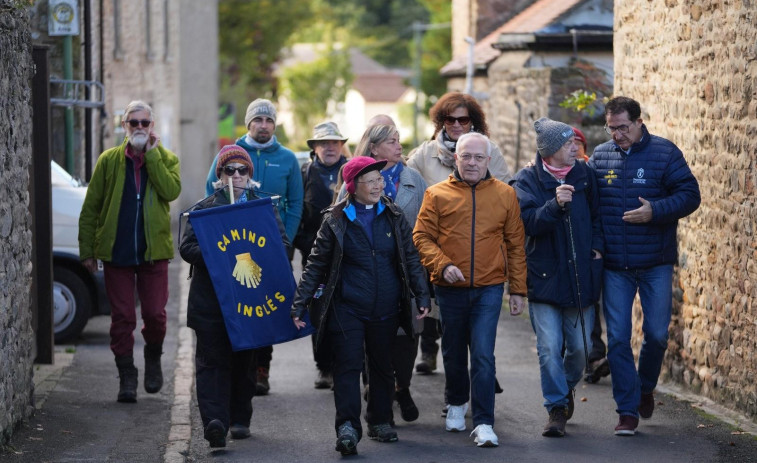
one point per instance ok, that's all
(278, 172)
(655, 170)
(549, 253)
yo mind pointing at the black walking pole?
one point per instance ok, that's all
(578, 285)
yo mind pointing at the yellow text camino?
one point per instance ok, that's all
(235, 234)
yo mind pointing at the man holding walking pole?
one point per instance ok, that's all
(564, 245)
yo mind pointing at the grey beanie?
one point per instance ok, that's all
(551, 135)
(259, 107)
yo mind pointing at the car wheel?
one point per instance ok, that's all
(72, 303)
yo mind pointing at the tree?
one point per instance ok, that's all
(311, 86)
(251, 37)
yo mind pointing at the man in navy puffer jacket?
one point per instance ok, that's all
(645, 187)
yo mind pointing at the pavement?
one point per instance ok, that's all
(77, 418)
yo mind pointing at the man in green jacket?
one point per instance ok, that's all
(125, 222)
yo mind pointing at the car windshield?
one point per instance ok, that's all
(59, 176)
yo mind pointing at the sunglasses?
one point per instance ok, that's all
(136, 123)
(449, 120)
(229, 170)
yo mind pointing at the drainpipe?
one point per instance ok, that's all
(469, 70)
(518, 130)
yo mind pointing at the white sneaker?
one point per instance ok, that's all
(485, 436)
(456, 417)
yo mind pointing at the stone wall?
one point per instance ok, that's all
(16, 337)
(692, 65)
(519, 94)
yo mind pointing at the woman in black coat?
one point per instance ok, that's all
(225, 380)
(358, 283)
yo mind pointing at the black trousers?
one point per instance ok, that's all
(403, 359)
(355, 342)
(264, 356)
(225, 380)
(598, 348)
(323, 355)
(431, 333)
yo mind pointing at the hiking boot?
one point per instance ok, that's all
(646, 406)
(215, 434)
(382, 432)
(239, 431)
(571, 403)
(153, 372)
(346, 439)
(262, 387)
(555, 427)
(427, 365)
(626, 425)
(456, 417)
(485, 436)
(128, 379)
(408, 410)
(324, 380)
(596, 370)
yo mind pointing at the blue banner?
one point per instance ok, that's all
(249, 267)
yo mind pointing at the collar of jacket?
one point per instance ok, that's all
(455, 177)
(274, 146)
(639, 145)
(351, 212)
(548, 181)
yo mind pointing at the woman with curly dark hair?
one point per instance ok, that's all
(453, 115)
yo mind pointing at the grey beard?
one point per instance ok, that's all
(138, 141)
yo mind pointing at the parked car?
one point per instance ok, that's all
(77, 294)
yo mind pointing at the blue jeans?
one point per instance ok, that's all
(556, 327)
(469, 319)
(655, 291)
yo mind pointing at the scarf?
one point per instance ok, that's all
(259, 146)
(559, 173)
(446, 149)
(392, 180)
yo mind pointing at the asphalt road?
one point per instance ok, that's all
(80, 421)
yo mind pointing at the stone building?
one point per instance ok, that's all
(16, 336)
(527, 66)
(148, 50)
(693, 67)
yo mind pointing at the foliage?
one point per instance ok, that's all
(579, 101)
(436, 50)
(311, 86)
(381, 28)
(251, 37)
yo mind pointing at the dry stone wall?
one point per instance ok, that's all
(692, 65)
(16, 337)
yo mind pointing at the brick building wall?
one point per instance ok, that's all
(692, 65)
(16, 336)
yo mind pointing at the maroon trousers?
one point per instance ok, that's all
(151, 281)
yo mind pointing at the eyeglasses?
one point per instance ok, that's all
(449, 120)
(467, 157)
(373, 182)
(229, 170)
(621, 128)
(136, 122)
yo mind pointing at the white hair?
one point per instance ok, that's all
(474, 135)
(137, 105)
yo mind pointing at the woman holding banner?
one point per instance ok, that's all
(358, 283)
(225, 379)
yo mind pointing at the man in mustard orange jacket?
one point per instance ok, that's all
(470, 238)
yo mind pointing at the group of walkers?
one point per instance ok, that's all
(400, 252)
